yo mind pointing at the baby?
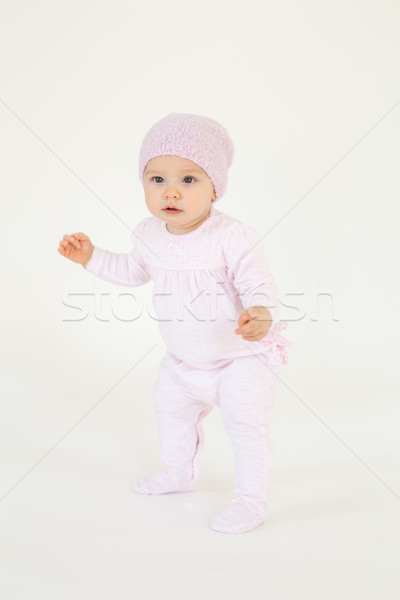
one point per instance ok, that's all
(209, 271)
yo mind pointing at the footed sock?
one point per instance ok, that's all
(166, 481)
(240, 516)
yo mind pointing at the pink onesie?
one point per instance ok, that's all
(202, 281)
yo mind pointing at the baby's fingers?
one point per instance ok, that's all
(63, 245)
(67, 247)
(80, 237)
(247, 328)
(71, 239)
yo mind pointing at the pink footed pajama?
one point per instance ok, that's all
(202, 281)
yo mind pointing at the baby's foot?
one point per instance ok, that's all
(166, 481)
(240, 516)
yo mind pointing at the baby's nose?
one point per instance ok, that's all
(171, 193)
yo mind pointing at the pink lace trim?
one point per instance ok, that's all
(277, 344)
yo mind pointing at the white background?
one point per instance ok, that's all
(310, 94)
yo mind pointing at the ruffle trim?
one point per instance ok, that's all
(276, 344)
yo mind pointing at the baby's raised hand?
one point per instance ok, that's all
(254, 323)
(76, 247)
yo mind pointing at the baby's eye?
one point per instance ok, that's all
(156, 177)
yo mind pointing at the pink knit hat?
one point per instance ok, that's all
(199, 139)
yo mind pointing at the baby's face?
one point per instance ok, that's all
(178, 182)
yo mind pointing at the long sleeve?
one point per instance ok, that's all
(122, 269)
(249, 271)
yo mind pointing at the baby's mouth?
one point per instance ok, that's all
(172, 210)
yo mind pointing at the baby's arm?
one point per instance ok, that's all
(122, 269)
(249, 271)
